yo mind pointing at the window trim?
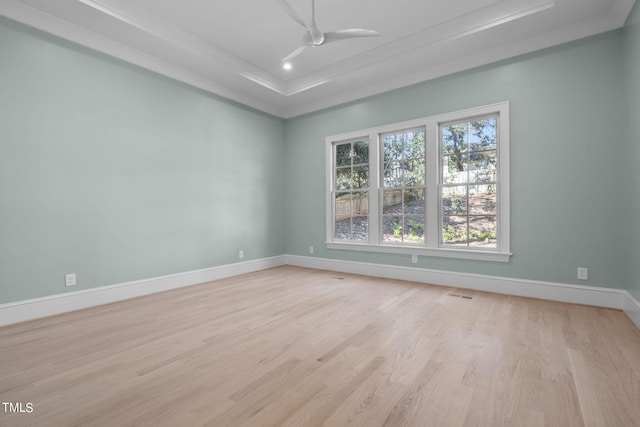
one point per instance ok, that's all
(432, 246)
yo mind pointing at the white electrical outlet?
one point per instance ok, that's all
(310, 249)
(70, 279)
(414, 259)
(583, 273)
(241, 254)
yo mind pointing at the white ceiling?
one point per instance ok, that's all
(234, 48)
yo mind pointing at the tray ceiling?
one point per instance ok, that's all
(234, 49)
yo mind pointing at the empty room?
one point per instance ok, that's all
(319, 213)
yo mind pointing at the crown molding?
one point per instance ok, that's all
(190, 59)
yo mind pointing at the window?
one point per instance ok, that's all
(468, 182)
(435, 186)
(403, 185)
(351, 202)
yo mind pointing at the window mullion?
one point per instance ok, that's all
(374, 185)
(432, 199)
(329, 183)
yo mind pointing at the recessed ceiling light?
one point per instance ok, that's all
(287, 66)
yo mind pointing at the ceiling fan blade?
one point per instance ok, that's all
(293, 54)
(333, 36)
(292, 13)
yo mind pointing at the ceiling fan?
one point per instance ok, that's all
(314, 37)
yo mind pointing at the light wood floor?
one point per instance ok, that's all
(298, 347)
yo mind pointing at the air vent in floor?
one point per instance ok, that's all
(460, 296)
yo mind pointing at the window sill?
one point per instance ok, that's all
(477, 255)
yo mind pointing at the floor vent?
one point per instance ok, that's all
(460, 296)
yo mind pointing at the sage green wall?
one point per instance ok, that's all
(117, 174)
(566, 142)
(631, 54)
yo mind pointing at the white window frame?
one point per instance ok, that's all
(432, 245)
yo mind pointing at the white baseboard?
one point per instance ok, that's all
(632, 309)
(21, 311)
(588, 295)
